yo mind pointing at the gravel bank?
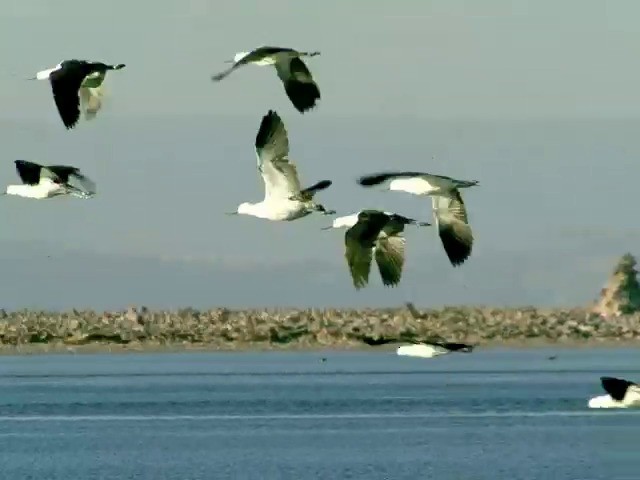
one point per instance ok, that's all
(222, 329)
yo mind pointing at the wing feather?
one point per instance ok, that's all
(389, 254)
(359, 244)
(453, 227)
(280, 176)
(298, 83)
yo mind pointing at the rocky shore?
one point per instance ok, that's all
(311, 329)
(613, 319)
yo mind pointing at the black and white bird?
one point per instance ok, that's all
(374, 234)
(620, 394)
(41, 182)
(298, 82)
(432, 349)
(284, 198)
(436, 347)
(448, 208)
(73, 80)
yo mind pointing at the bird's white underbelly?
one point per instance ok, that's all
(40, 191)
(416, 186)
(285, 210)
(424, 351)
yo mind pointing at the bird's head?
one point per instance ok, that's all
(237, 57)
(243, 209)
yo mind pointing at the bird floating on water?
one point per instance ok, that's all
(448, 208)
(41, 182)
(373, 233)
(298, 82)
(72, 80)
(620, 394)
(284, 199)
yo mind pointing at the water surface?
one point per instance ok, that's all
(490, 415)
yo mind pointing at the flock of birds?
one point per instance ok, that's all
(77, 87)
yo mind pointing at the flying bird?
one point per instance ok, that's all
(433, 349)
(41, 182)
(448, 208)
(73, 80)
(620, 394)
(426, 348)
(298, 82)
(374, 234)
(284, 198)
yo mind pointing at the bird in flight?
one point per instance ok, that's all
(374, 234)
(73, 80)
(296, 78)
(448, 208)
(40, 182)
(284, 198)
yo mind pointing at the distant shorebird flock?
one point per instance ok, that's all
(77, 89)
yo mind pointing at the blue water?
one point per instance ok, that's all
(492, 414)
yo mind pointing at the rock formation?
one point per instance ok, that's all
(621, 295)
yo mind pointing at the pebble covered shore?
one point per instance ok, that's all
(220, 328)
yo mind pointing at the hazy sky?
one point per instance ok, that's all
(539, 101)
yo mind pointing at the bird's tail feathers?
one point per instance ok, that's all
(119, 66)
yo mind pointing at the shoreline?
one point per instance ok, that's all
(288, 329)
(136, 348)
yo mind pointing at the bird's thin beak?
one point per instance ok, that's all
(228, 61)
(326, 228)
(231, 213)
(32, 78)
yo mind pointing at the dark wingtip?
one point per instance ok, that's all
(371, 180)
(616, 387)
(457, 251)
(322, 184)
(266, 127)
(303, 95)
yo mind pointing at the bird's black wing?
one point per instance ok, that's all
(72, 177)
(298, 83)
(29, 172)
(359, 242)
(457, 347)
(616, 387)
(381, 177)
(63, 172)
(65, 84)
(375, 341)
(453, 228)
(308, 193)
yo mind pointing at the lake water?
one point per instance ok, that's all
(489, 415)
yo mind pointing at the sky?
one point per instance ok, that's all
(538, 101)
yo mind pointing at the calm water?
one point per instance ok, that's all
(495, 414)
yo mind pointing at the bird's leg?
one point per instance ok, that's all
(320, 208)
